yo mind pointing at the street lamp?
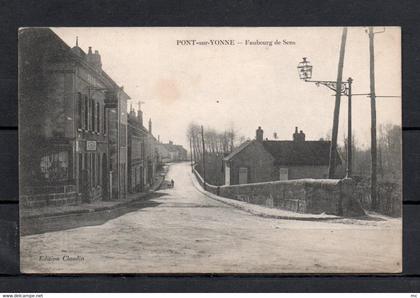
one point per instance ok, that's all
(305, 73)
(305, 69)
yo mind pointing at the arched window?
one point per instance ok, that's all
(93, 115)
(86, 113)
(104, 122)
(98, 128)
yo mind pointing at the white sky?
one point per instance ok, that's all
(255, 85)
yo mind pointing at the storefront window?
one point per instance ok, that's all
(55, 166)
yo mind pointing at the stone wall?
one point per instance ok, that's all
(316, 196)
(54, 199)
(389, 196)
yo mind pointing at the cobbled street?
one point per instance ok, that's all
(184, 231)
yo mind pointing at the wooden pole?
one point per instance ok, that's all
(373, 150)
(204, 153)
(349, 135)
(191, 155)
(333, 148)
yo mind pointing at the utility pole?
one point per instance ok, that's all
(191, 155)
(349, 136)
(373, 193)
(333, 148)
(204, 153)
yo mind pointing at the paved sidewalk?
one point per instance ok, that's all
(93, 206)
(262, 210)
(82, 208)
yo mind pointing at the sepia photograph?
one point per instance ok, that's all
(210, 150)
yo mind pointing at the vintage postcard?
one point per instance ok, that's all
(210, 150)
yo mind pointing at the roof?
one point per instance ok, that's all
(173, 147)
(300, 152)
(294, 153)
(237, 150)
(45, 37)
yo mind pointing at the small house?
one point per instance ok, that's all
(262, 160)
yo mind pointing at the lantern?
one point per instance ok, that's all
(305, 69)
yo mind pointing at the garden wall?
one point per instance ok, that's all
(316, 196)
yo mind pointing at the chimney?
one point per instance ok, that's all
(298, 136)
(259, 134)
(94, 59)
(302, 136)
(132, 113)
(150, 125)
(140, 117)
(171, 143)
(158, 138)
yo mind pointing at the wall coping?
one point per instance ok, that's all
(295, 181)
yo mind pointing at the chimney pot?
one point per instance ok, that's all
(298, 137)
(150, 125)
(259, 134)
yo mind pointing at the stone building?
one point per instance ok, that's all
(143, 158)
(72, 124)
(262, 160)
(171, 152)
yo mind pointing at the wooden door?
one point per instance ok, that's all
(243, 175)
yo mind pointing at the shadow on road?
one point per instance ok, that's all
(54, 223)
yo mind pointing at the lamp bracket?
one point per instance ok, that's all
(344, 90)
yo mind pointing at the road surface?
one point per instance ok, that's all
(184, 231)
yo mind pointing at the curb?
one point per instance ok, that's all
(98, 209)
(88, 210)
(233, 203)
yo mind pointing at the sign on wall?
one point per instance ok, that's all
(90, 145)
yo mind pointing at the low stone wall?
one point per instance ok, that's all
(316, 196)
(389, 197)
(52, 199)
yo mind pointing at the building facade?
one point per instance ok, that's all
(73, 124)
(262, 160)
(171, 152)
(143, 157)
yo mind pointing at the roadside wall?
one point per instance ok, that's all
(389, 196)
(330, 196)
(66, 195)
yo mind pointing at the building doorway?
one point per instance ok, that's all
(105, 184)
(243, 175)
(284, 174)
